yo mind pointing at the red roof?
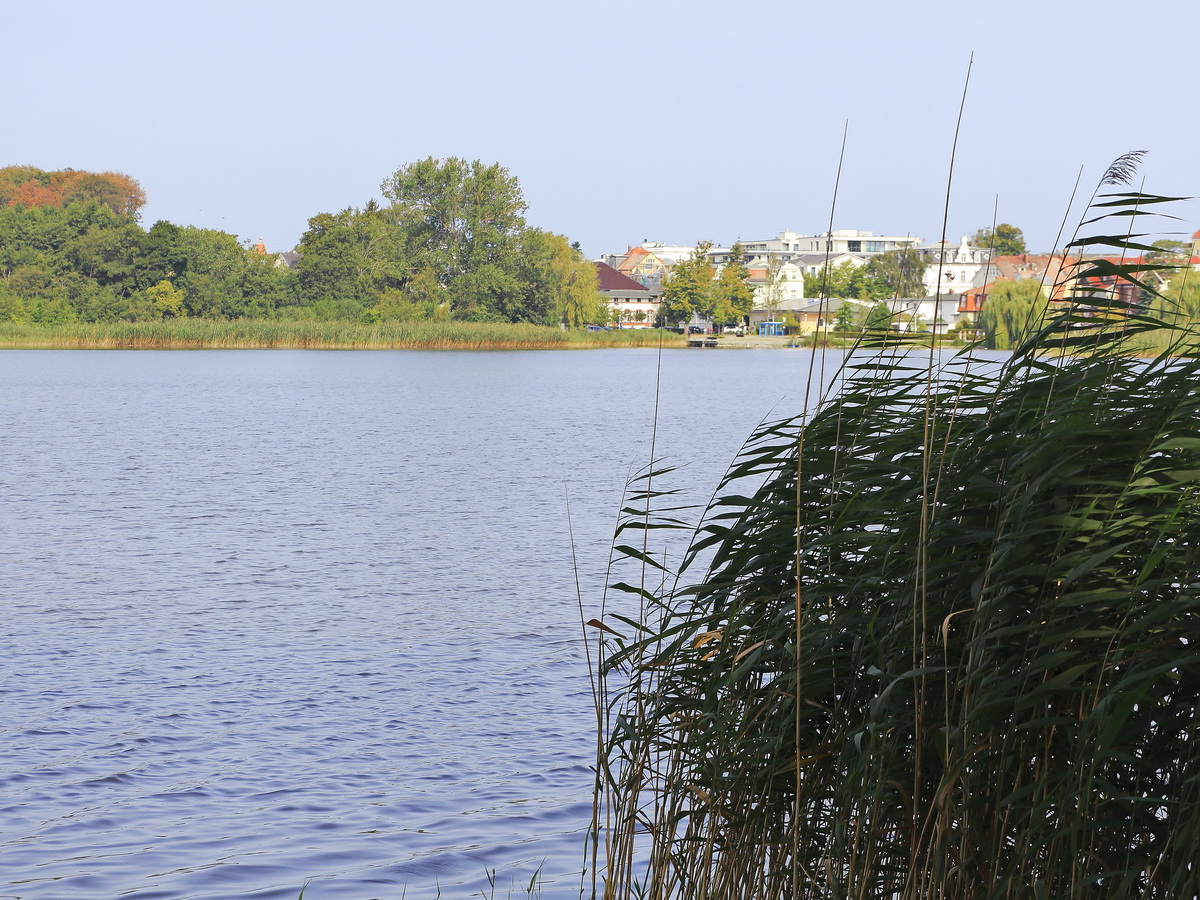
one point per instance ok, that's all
(612, 280)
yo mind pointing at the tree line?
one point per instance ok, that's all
(450, 243)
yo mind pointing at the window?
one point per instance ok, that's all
(854, 246)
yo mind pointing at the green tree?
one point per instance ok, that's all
(1179, 304)
(1012, 312)
(167, 299)
(464, 222)
(846, 318)
(688, 289)
(841, 280)
(1165, 249)
(1005, 240)
(878, 318)
(573, 284)
(898, 273)
(214, 263)
(112, 256)
(350, 258)
(733, 297)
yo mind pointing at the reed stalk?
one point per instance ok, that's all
(991, 687)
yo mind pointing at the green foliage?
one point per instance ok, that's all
(1179, 303)
(846, 318)
(1005, 240)
(1012, 312)
(898, 273)
(453, 243)
(167, 299)
(85, 262)
(464, 222)
(878, 318)
(1165, 248)
(688, 289)
(843, 280)
(934, 638)
(732, 296)
(565, 282)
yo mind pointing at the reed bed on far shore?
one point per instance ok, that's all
(245, 334)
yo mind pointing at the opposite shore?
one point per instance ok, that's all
(270, 334)
(249, 334)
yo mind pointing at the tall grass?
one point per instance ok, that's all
(338, 335)
(938, 639)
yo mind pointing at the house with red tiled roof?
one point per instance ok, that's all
(642, 265)
(971, 301)
(632, 304)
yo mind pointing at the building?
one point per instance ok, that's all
(840, 244)
(802, 316)
(849, 240)
(951, 269)
(814, 263)
(633, 305)
(776, 285)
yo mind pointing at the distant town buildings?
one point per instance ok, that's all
(633, 304)
(952, 269)
(958, 276)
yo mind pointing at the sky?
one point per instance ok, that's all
(622, 121)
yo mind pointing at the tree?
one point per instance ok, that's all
(1165, 249)
(573, 283)
(30, 186)
(464, 222)
(1005, 240)
(878, 318)
(350, 258)
(898, 273)
(1179, 304)
(845, 318)
(167, 299)
(841, 280)
(688, 290)
(1012, 312)
(733, 298)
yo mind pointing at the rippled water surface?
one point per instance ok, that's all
(283, 617)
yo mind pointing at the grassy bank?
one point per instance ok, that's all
(210, 334)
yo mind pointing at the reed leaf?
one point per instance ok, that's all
(938, 639)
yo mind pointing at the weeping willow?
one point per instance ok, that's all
(939, 638)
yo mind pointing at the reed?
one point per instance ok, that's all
(195, 334)
(935, 639)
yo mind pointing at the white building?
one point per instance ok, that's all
(788, 245)
(951, 269)
(777, 285)
(849, 240)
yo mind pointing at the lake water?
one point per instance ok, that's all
(282, 617)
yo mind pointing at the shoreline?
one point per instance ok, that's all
(267, 334)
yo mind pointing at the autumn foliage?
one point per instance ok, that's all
(29, 186)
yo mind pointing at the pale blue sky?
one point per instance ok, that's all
(674, 121)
